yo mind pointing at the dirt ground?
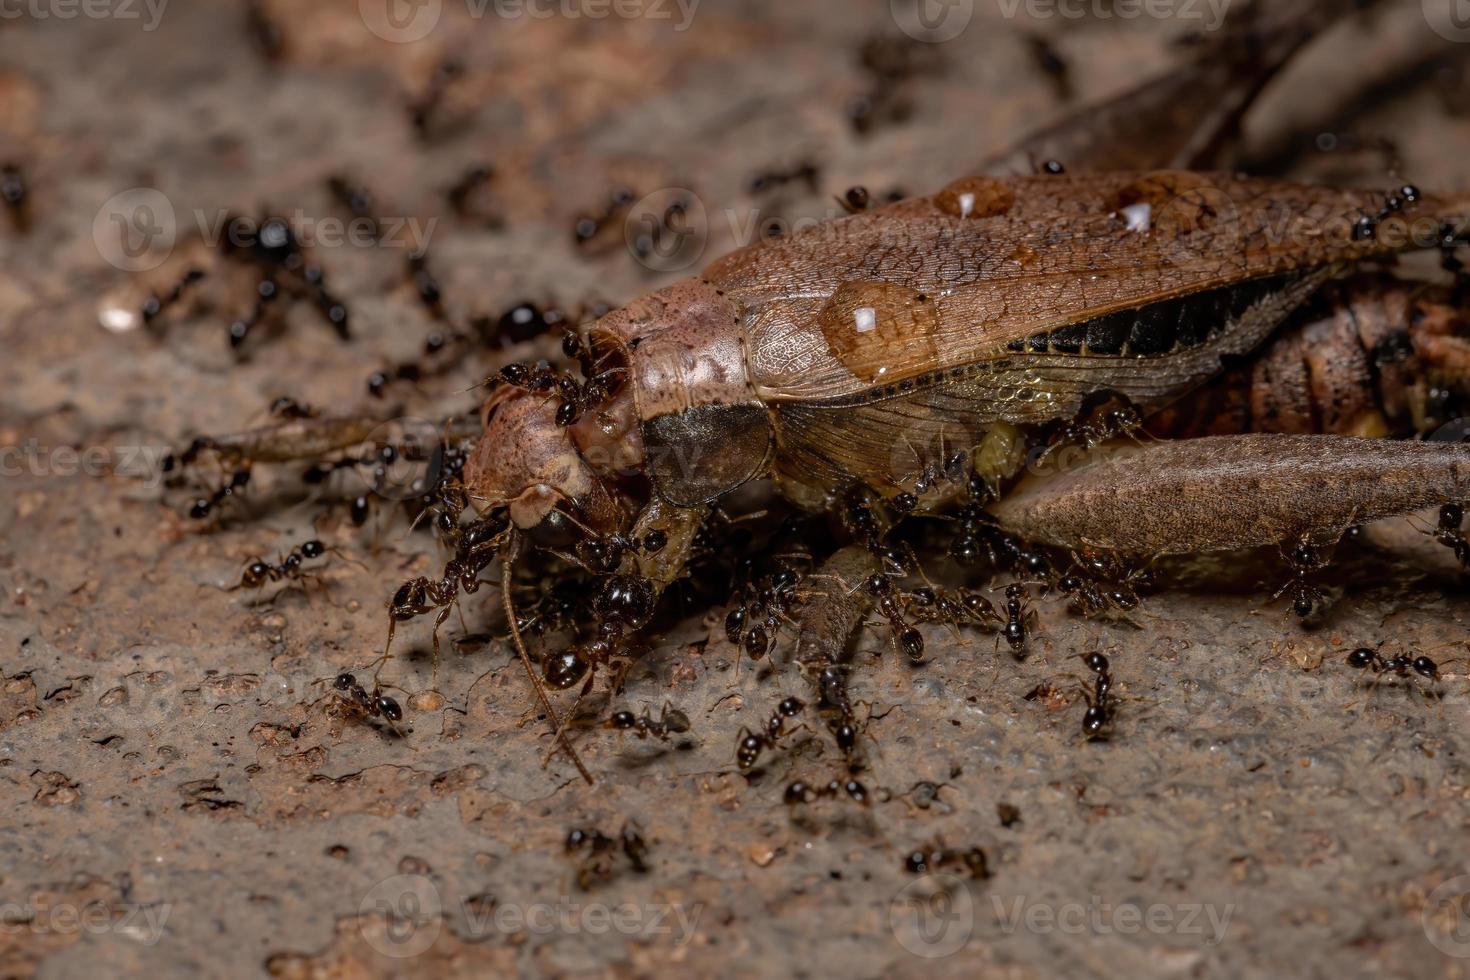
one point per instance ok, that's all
(181, 795)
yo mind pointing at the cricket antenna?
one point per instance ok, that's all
(507, 565)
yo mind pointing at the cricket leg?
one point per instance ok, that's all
(1226, 492)
(1165, 122)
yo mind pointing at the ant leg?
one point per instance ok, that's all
(1220, 493)
(434, 636)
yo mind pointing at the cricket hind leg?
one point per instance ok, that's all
(1144, 129)
(1223, 493)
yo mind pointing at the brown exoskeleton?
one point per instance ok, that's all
(919, 351)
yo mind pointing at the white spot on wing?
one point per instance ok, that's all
(967, 205)
(865, 318)
(1140, 217)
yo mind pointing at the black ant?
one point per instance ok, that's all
(156, 304)
(934, 604)
(15, 194)
(423, 109)
(589, 227)
(622, 604)
(671, 721)
(836, 708)
(279, 259)
(1366, 227)
(1099, 713)
(264, 32)
(855, 200)
(258, 572)
(806, 173)
(479, 545)
(1052, 64)
(891, 607)
(752, 744)
(1306, 598)
(754, 624)
(1366, 658)
(374, 705)
(356, 198)
(935, 856)
(801, 792)
(1019, 618)
(1100, 589)
(1449, 533)
(460, 193)
(601, 850)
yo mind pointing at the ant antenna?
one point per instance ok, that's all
(507, 565)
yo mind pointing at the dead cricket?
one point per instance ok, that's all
(1222, 358)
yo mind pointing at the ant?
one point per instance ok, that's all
(1020, 616)
(1449, 533)
(15, 194)
(1366, 658)
(754, 624)
(589, 227)
(279, 259)
(1102, 590)
(264, 32)
(671, 721)
(800, 791)
(1052, 64)
(156, 304)
(855, 200)
(891, 607)
(1366, 227)
(752, 744)
(622, 604)
(423, 109)
(934, 604)
(374, 705)
(806, 173)
(1306, 598)
(460, 193)
(290, 569)
(1099, 713)
(478, 546)
(932, 857)
(356, 198)
(601, 851)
